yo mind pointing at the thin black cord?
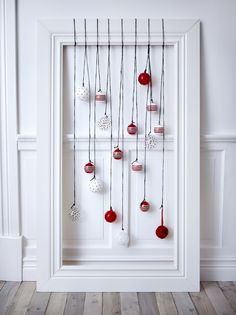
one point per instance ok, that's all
(163, 113)
(86, 67)
(145, 148)
(74, 101)
(85, 51)
(108, 64)
(121, 86)
(136, 88)
(135, 70)
(150, 72)
(108, 92)
(94, 105)
(162, 72)
(122, 109)
(98, 59)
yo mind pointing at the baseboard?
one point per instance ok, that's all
(218, 269)
(11, 258)
(211, 269)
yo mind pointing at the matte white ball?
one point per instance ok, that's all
(96, 185)
(104, 123)
(123, 238)
(82, 93)
(74, 213)
(151, 142)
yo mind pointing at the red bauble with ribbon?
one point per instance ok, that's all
(132, 129)
(89, 168)
(117, 154)
(144, 78)
(144, 206)
(162, 230)
(110, 215)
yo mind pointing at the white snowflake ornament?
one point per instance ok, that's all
(82, 93)
(151, 141)
(123, 238)
(74, 213)
(96, 185)
(104, 123)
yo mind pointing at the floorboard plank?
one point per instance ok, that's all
(129, 303)
(75, 304)
(202, 302)
(7, 294)
(217, 298)
(2, 284)
(93, 304)
(22, 298)
(38, 304)
(147, 303)
(111, 304)
(184, 303)
(166, 304)
(56, 304)
(229, 290)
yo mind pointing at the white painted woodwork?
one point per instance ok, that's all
(218, 244)
(92, 246)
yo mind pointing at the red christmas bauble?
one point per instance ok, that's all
(144, 205)
(110, 216)
(144, 78)
(162, 231)
(89, 168)
(117, 154)
(132, 129)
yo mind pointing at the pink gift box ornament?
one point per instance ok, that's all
(136, 166)
(100, 96)
(153, 107)
(159, 129)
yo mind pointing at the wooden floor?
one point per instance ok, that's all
(21, 298)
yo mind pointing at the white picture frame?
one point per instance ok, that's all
(184, 35)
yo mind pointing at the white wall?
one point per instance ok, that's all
(218, 113)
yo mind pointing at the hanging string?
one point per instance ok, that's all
(150, 72)
(162, 73)
(136, 87)
(108, 65)
(108, 92)
(145, 147)
(94, 104)
(86, 69)
(121, 85)
(98, 59)
(163, 119)
(74, 102)
(135, 70)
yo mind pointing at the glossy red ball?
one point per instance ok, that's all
(132, 129)
(144, 78)
(144, 206)
(117, 154)
(89, 168)
(110, 216)
(162, 231)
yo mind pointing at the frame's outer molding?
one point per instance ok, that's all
(10, 239)
(52, 276)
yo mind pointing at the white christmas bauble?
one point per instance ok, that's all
(123, 238)
(104, 123)
(82, 93)
(96, 185)
(151, 142)
(74, 213)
